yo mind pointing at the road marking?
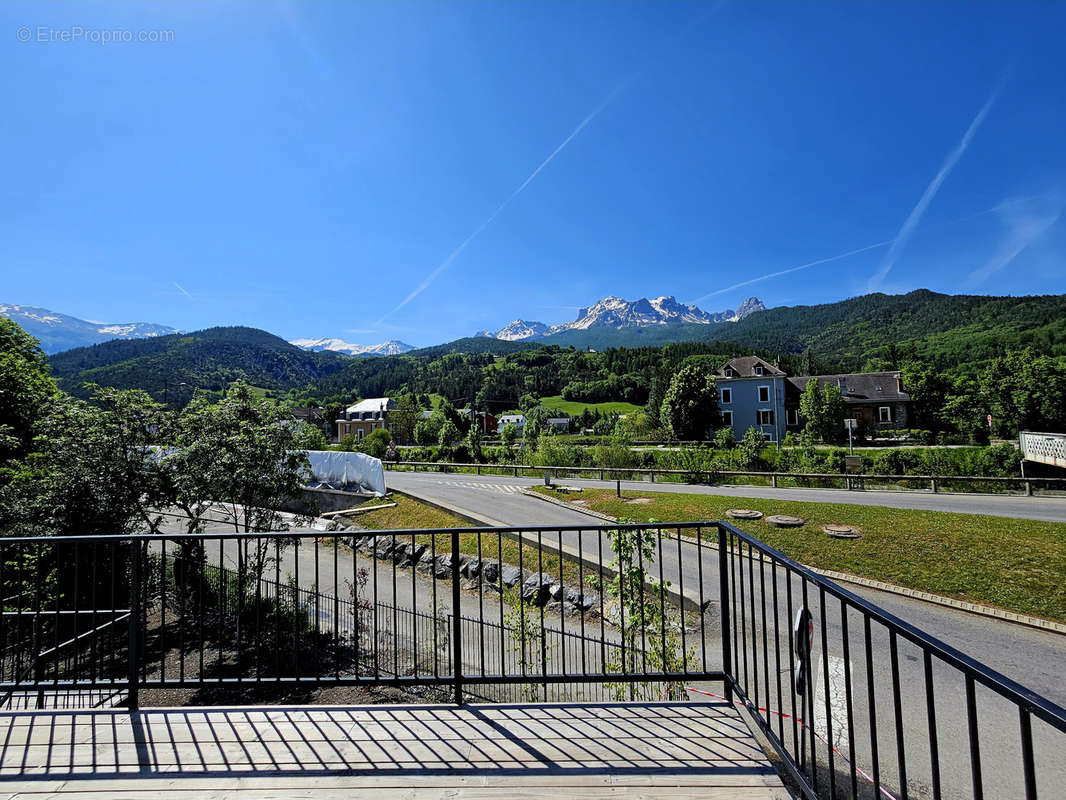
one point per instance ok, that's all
(491, 487)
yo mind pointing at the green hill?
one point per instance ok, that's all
(209, 359)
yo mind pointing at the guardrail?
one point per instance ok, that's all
(855, 701)
(849, 481)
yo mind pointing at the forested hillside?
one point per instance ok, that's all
(210, 359)
(951, 335)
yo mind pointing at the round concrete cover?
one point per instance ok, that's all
(785, 521)
(842, 531)
(743, 513)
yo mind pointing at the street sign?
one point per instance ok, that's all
(851, 424)
(803, 643)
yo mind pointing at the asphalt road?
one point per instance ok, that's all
(1030, 657)
(1047, 508)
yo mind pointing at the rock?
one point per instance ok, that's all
(332, 525)
(442, 567)
(538, 579)
(510, 576)
(385, 546)
(490, 571)
(536, 595)
(471, 568)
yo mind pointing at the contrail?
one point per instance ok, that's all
(181, 289)
(808, 265)
(521, 187)
(915, 216)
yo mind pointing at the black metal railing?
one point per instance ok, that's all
(856, 702)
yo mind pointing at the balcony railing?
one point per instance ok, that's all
(855, 701)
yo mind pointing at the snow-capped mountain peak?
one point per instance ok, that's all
(522, 329)
(616, 312)
(389, 348)
(57, 332)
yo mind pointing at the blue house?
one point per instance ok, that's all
(751, 393)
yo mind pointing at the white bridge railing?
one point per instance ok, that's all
(1046, 448)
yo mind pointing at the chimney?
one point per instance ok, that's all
(899, 383)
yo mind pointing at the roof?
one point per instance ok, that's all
(372, 404)
(512, 418)
(744, 366)
(861, 387)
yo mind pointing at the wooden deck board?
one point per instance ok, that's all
(652, 750)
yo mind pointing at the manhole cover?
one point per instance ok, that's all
(842, 531)
(743, 513)
(785, 521)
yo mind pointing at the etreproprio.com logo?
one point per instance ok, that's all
(45, 34)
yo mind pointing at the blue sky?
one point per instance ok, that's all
(421, 170)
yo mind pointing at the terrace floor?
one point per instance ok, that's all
(650, 750)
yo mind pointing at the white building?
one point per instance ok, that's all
(518, 420)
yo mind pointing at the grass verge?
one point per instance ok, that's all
(1014, 564)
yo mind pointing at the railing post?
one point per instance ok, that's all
(932, 484)
(1028, 489)
(457, 623)
(135, 614)
(773, 478)
(723, 614)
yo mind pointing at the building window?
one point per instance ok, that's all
(792, 416)
(764, 394)
(766, 416)
(727, 418)
(359, 434)
(758, 369)
(884, 414)
(727, 396)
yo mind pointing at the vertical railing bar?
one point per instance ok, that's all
(831, 742)
(77, 608)
(808, 714)
(260, 557)
(765, 637)
(602, 592)
(480, 603)
(777, 652)
(278, 610)
(643, 604)
(897, 706)
(134, 623)
(562, 601)
(739, 561)
(754, 637)
(847, 696)
(975, 744)
(791, 664)
(581, 597)
(503, 618)
(871, 705)
(543, 637)
(337, 609)
(681, 603)
(662, 598)
(457, 621)
(930, 713)
(297, 607)
(1028, 765)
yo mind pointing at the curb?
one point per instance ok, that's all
(882, 586)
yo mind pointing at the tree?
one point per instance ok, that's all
(473, 439)
(309, 437)
(536, 423)
(750, 448)
(376, 443)
(822, 409)
(404, 417)
(90, 470)
(26, 388)
(725, 438)
(509, 434)
(690, 406)
(449, 434)
(1024, 391)
(426, 432)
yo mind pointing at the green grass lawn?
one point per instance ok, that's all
(1019, 565)
(573, 408)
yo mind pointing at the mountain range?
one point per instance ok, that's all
(57, 332)
(392, 347)
(615, 313)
